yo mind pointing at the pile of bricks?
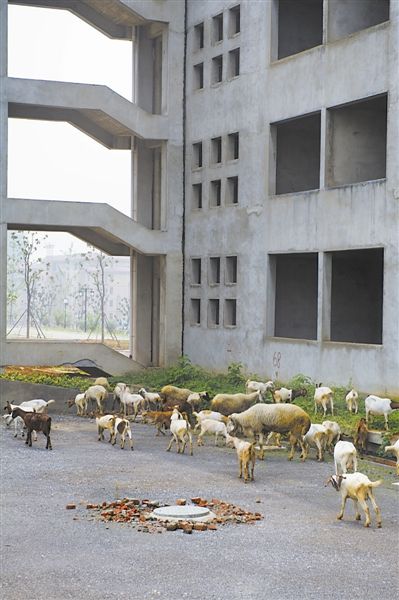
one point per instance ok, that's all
(139, 513)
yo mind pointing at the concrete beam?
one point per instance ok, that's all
(60, 352)
(114, 19)
(98, 223)
(95, 109)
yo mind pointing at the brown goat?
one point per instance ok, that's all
(34, 422)
(158, 418)
(360, 438)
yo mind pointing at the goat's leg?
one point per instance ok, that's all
(357, 513)
(320, 450)
(200, 441)
(293, 441)
(190, 437)
(343, 502)
(170, 443)
(332, 406)
(246, 479)
(261, 443)
(376, 508)
(366, 509)
(29, 437)
(240, 468)
(48, 445)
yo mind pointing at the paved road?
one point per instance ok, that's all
(299, 550)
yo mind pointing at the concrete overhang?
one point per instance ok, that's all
(114, 18)
(96, 110)
(97, 224)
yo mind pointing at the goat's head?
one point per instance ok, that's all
(232, 426)
(335, 481)
(8, 419)
(8, 407)
(70, 402)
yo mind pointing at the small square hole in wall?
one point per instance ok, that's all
(232, 190)
(197, 196)
(231, 270)
(230, 313)
(215, 197)
(216, 150)
(213, 313)
(198, 79)
(196, 271)
(195, 313)
(217, 69)
(233, 146)
(214, 270)
(197, 155)
(217, 28)
(234, 20)
(234, 63)
(199, 36)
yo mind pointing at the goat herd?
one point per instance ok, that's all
(232, 417)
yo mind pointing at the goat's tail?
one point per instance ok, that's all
(374, 484)
(50, 402)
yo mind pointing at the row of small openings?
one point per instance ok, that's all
(213, 317)
(216, 193)
(232, 150)
(300, 22)
(233, 69)
(355, 147)
(217, 28)
(355, 303)
(214, 270)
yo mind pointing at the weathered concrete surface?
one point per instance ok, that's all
(299, 550)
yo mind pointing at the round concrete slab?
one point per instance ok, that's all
(183, 513)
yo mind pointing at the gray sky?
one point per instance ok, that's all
(54, 160)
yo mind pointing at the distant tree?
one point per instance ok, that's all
(95, 263)
(27, 244)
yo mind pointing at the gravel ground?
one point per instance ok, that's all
(299, 550)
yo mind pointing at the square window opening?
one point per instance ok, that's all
(230, 313)
(234, 21)
(213, 313)
(300, 25)
(233, 146)
(197, 196)
(199, 76)
(345, 18)
(297, 154)
(215, 198)
(217, 69)
(231, 270)
(296, 292)
(234, 63)
(232, 190)
(197, 155)
(214, 270)
(195, 312)
(357, 296)
(217, 28)
(216, 150)
(199, 36)
(196, 271)
(357, 148)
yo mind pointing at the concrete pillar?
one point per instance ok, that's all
(170, 308)
(3, 179)
(324, 297)
(323, 147)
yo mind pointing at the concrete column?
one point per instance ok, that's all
(323, 147)
(170, 308)
(324, 297)
(3, 180)
(270, 295)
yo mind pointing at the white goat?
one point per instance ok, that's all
(80, 402)
(246, 456)
(119, 389)
(180, 431)
(359, 488)
(333, 434)
(345, 456)
(122, 426)
(37, 404)
(210, 426)
(135, 401)
(375, 405)
(315, 436)
(323, 396)
(152, 399)
(395, 450)
(208, 414)
(104, 382)
(255, 386)
(96, 394)
(103, 423)
(351, 400)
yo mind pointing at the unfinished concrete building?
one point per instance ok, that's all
(265, 214)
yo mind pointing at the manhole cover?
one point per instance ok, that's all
(187, 513)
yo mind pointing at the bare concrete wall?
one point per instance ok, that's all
(347, 16)
(357, 139)
(296, 296)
